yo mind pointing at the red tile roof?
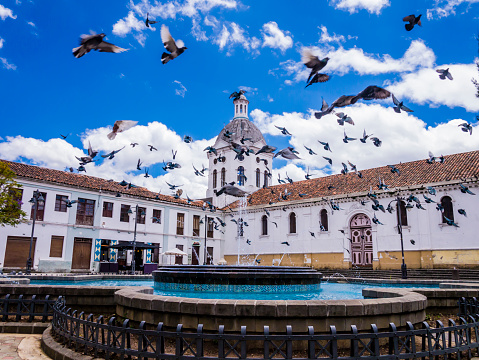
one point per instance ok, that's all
(87, 182)
(415, 173)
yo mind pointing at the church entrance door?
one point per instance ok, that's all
(362, 241)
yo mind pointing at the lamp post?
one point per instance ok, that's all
(398, 201)
(133, 262)
(35, 200)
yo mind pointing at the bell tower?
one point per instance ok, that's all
(236, 160)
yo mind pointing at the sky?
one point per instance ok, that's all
(254, 45)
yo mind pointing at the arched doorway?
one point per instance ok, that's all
(361, 241)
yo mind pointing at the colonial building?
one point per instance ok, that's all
(337, 221)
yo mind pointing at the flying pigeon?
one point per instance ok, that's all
(64, 136)
(431, 190)
(283, 130)
(325, 110)
(236, 95)
(344, 170)
(210, 150)
(450, 222)
(187, 139)
(465, 190)
(133, 144)
(285, 243)
(172, 187)
(376, 141)
(394, 169)
(111, 154)
(69, 203)
(372, 92)
(152, 148)
(344, 118)
(232, 190)
(412, 242)
(365, 137)
(318, 78)
(248, 241)
(376, 221)
(466, 127)
(146, 173)
(120, 126)
(175, 48)
(325, 146)
(266, 149)
(427, 199)
(312, 62)
(399, 106)
(310, 151)
(443, 74)
(288, 153)
(346, 138)
(95, 42)
(138, 165)
(148, 21)
(431, 159)
(330, 161)
(413, 20)
(462, 212)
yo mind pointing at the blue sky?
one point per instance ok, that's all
(255, 45)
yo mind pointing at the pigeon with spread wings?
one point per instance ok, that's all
(313, 62)
(120, 126)
(95, 42)
(175, 48)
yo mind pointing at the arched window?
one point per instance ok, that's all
(265, 181)
(324, 219)
(223, 177)
(401, 211)
(258, 178)
(241, 177)
(236, 108)
(215, 180)
(448, 211)
(241, 108)
(264, 225)
(292, 223)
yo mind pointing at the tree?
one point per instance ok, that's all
(474, 81)
(10, 198)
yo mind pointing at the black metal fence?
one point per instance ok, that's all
(100, 337)
(29, 309)
(468, 306)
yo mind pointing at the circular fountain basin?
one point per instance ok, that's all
(224, 278)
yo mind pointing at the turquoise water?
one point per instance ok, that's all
(328, 291)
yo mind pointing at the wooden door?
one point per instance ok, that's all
(16, 252)
(362, 244)
(195, 255)
(81, 253)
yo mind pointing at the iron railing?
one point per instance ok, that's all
(100, 337)
(21, 308)
(468, 306)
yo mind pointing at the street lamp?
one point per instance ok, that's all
(399, 201)
(36, 200)
(133, 262)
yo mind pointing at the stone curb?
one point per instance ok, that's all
(57, 351)
(23, 328)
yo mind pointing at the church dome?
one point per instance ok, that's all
(241, 127)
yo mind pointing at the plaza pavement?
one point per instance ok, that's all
(21, 347)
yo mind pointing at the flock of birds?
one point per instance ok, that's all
(311, 61)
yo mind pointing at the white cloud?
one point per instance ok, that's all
(1, 42)
(31, 24)
(7, 65)
(197, 31)
(6, 12)
(59, 154)
(269, 98)
(327, 38)
(181, 91)
(342, 61)
(231, 35)
(404, 136)
(444, 8)
(372, 6)
(425, 87)
(275, 38)
(126, 25)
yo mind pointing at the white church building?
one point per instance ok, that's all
(334, 222)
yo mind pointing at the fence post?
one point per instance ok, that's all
(32, 308)
(354, 351)
(19, 308)
(141, 339)
(334, 342)
(111, 323)
(266, 342)
(289, 342)
(411, 338)
(160, 341)
(46, 307)
(199, 341)
(221, 342)
(125, 335)
(89, 330)
(6, 305)
(311, 343)
(393, 340)
(243, 342)
(179, 340)
(375, 340)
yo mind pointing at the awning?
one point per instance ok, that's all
(174, 251)
(139, 246)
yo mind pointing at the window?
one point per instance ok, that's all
(85, 212)
(448, 211)
(236, 108)
(196, 225)
(105, 250)
(223, 177)
(264, 225)
(179, 258)
(180, 223)
(156, 219)
(210, 228)
(241, 108)
(215, 173)
(401, 211)
(56, 246)
(60, 203)
(241, 178)
(324, 219)
(265, 180)
(124, 216)
(141, 215)
(258, 178)
(40, 208)
(107, 209)
(292, 223)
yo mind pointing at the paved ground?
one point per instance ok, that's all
(21, 347)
